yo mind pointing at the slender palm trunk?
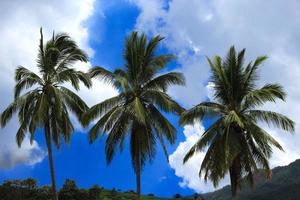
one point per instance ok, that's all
(138, 176)
(233, 183)
(48, 141)
(234, 172)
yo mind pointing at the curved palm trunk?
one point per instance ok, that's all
(48, 141)
(234, 172)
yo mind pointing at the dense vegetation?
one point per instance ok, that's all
(28, 190)
(285, 185)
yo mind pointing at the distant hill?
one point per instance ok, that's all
(285, 185)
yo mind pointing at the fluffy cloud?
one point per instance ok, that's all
(197, 28)
(11, 155)
(19, 38)
(190, 170)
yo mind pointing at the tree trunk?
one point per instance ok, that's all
(233, 183)
(48, 141)
(234, 172)
(138, 175)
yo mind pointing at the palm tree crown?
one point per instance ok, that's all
(45, 102)
(236, 143)
(136, 111)
(48, 101)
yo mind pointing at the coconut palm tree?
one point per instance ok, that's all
(136, 110)
(46, 103)
(235, 142)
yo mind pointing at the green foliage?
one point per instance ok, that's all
(70, 191)
(235, 143)
(95, 193)
(28, 190)
(284, 184)
(42, 101)
(136, 111)
(46, 100)
(23, 190)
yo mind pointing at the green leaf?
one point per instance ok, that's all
(276, 119)
(233, 118)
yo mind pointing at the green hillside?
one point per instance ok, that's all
(28, 190)
(285, 184)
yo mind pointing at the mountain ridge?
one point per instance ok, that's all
(285, 184)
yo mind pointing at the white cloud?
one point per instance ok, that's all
(189, 172)
(99, 91)
(196, 28)
(151, 13)
(19, 38)
(11, 155)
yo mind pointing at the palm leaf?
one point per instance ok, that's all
(162, 82)
(269, 92)
(273, 118)
(209, 109)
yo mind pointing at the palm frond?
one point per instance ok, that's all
(220, 80)
(209, 109)
(162, 124)
(276, 119)
(102, 74)
(263, 139)
(101, 108)
(114, 136)
(269, 92)
(137, 109)
(25, 79)
(250, 72)
(163, 81)
(21, 134)
(233, 118)
(74, 102)
(84, 78)
(163, 101)
(205, 139)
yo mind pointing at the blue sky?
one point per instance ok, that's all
(86, 163)
(192, 30)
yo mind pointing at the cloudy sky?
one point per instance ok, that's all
(192, 29)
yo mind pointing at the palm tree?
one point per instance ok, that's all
(235, 142)
(46, 103)
(136, 111)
